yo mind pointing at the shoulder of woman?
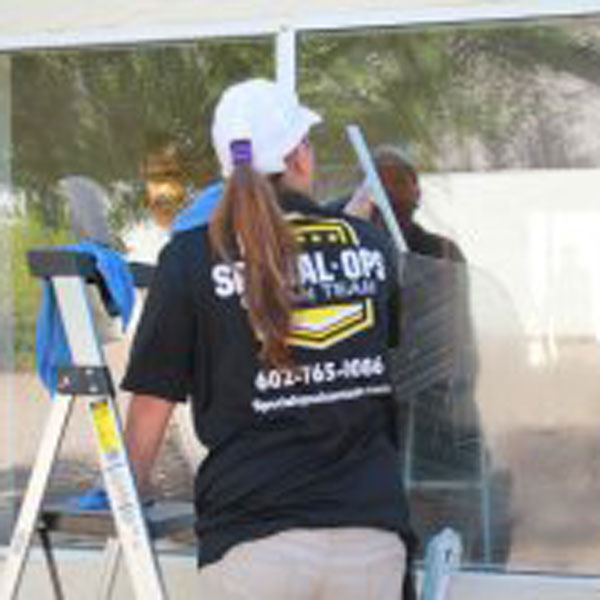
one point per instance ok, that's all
(186, 244)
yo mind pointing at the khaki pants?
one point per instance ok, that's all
(310, 564)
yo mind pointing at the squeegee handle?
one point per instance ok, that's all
(374, 183)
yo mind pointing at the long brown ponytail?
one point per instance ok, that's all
(249, 223)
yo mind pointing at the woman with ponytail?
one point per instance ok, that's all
(274, 320)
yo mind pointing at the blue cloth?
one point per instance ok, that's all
(200, 209)
(97, 499)
(92, 499)
(52, 349)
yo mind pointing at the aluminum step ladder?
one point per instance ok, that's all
(129, 528)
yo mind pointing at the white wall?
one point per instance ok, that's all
(536, 233)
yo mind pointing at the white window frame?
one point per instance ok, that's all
(498, 10)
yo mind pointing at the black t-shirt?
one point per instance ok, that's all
(418, 239)
(309, 447)
(426, 243)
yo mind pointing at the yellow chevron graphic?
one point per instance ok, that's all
(322, 327)
(332, 231)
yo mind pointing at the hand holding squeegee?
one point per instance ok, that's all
(374, 184)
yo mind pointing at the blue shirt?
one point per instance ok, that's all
(200, 209)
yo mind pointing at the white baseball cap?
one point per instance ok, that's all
(271, 118)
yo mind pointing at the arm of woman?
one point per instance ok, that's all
(147, 420)
(159, 373)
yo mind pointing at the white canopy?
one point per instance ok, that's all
(54, 23)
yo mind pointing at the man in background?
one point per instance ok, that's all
(436, 366)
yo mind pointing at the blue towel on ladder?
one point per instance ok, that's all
(52, 349)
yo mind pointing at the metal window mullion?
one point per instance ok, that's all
(286, 58)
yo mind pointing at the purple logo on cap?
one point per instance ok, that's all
(241, 153)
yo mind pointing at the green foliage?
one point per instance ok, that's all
(438, 90)
(435, 91)
(89, 112)
(26, 233)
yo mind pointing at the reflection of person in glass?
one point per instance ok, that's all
(436, 366)
(257, 317)
(171, 195)
(401, 183)
(165, 179)
(166, 174)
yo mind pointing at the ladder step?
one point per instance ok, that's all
(163, 519)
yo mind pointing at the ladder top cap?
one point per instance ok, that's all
(53, 262)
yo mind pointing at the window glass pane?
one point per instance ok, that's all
(498, 373)
(6, 305)
(96, 114)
